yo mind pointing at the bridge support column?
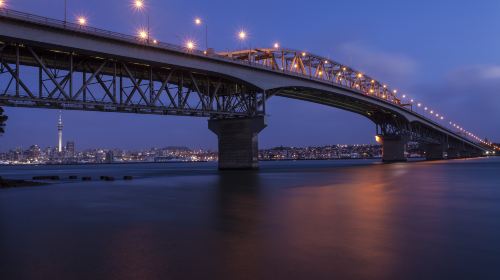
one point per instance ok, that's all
(238, 141)
(434, 151)
(393, 149)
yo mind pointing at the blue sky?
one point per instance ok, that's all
(443, 53)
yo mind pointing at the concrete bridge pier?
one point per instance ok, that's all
(434, 151)
(393, 148)
(238, 141)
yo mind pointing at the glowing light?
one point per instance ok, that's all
(139, 4)
(437, 115)
(411, 101)
(373, 81)
(320, 73)
(442, 118)
(197, 21)
(242, 35)
(326, 61)
(303, 54)
(395, 91)
(404, 95)
(425, 108)
(372, 91)
(142, 33)
(155, 41)
(295, 65)
(2, 3)
(344, 69)
(190, 45)
(419, 104)
(432, 112)
(360, 75)
(276, 45)
(378, 139)
(82, 20)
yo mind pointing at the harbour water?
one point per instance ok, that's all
(290, 220)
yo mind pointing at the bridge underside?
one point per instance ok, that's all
(38, 77)
(393, 130)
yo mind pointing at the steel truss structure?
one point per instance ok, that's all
(318, 67)
(49, 78)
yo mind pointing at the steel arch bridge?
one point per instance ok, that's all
(46, 63)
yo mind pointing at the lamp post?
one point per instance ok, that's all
(199, 22)
(65, 12)
(140, 6)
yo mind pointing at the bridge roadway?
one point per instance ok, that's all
(46, 63)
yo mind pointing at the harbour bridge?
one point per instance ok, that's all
(47, 63)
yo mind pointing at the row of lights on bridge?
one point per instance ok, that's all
(242, 35)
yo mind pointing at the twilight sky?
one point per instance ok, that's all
(444, 53)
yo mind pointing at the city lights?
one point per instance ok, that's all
(276, 45)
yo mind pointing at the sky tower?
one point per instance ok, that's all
(59, 132)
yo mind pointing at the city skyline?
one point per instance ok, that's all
(440, 77)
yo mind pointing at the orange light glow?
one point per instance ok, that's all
(82, 20)
(142, 33)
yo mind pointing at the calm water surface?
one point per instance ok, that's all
(289, 220)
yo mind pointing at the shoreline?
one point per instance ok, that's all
(176, 162)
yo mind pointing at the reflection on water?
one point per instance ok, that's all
(289, 220)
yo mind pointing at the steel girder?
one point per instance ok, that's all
(46, 78)
(314, 66)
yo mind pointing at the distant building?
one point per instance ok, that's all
(109, 157)
(70, 149)
(33, 153)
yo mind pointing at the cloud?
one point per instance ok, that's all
(475, 73)
(387, 67)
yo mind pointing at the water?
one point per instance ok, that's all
(290, 220)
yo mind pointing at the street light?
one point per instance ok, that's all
(140, 5)
(190, 45)
(82, 20)
(242, 35)
(143, 34)
(199, 22)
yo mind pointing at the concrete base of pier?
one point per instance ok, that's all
(393, 149)
(434, 151)
(238, 141)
